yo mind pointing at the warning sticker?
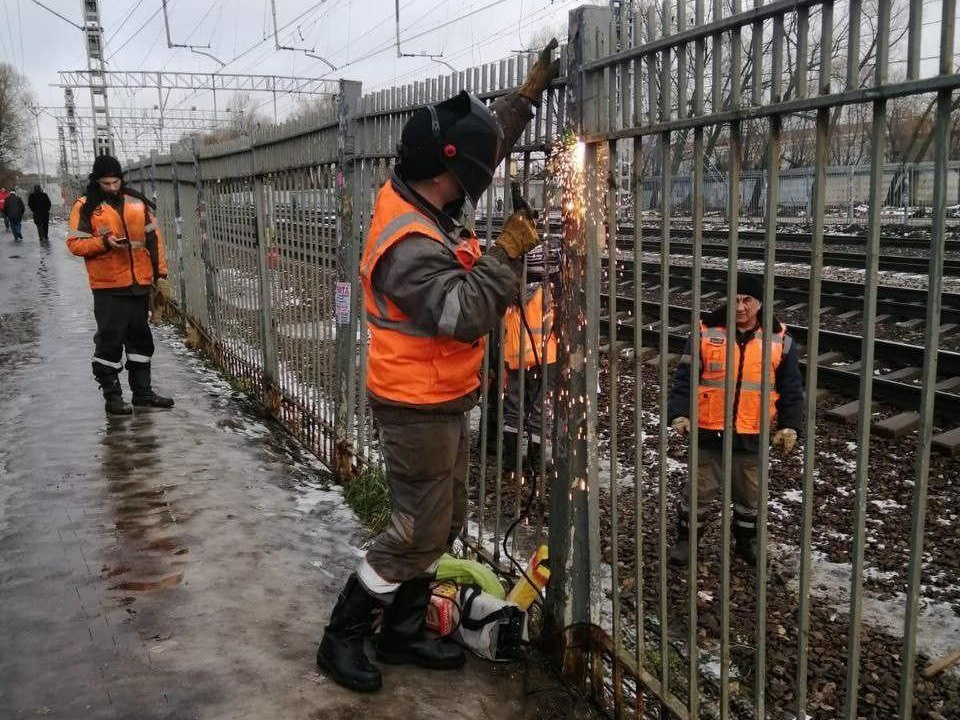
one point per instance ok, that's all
(342, 303)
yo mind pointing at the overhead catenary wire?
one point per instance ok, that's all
(391, 43)
(137, 32)
(126, 19)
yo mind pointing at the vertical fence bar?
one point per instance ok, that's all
(666, 177)
(734, 165)
(693, 452)
(870, 291)
(636, 186)
(941, 152)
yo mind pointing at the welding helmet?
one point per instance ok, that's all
(459, 135)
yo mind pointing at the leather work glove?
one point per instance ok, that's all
(681, 425)
(541, 74)
(519, 234)
(163, 288)
(787, 437)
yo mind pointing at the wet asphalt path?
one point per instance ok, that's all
(172, 564)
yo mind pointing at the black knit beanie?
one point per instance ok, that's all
(751, 285)
(106, 166)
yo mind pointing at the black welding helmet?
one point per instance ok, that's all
(460, 135)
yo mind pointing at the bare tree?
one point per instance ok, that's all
(244, 119)
(14, 121)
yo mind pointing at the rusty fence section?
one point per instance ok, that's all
(657, 88)
(656, 110)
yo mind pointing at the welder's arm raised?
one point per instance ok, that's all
(441, 297)
(514, 110)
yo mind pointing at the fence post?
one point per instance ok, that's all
(347, 303)
(178, 226)
(268, 330)
(573, 596)
(153, 176)
(208, 271)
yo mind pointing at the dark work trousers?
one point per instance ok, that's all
(43, 226)
(536, 414)
(744, 484)
(426, 459)
(122, 324)
(17, 229)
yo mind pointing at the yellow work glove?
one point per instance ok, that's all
(519, 234)
(541, 74)
(787, 437)
(163, 288)
(681, 425)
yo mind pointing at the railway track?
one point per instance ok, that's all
(894, 263)
(897, 302)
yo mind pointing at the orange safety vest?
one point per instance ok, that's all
(516, 334)
(404, 363)
(107, 268)
(713, 356)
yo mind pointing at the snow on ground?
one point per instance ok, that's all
(938, 624)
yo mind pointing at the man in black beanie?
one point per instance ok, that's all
(112, 227)
(786, 407)
(431, 297)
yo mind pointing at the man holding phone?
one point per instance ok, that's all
(112, 227)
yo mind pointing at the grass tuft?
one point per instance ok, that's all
(369, 497)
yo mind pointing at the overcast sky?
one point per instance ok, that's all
(240, 33)
(355, 35)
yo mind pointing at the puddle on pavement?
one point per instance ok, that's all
(149, 553)
(19, 333)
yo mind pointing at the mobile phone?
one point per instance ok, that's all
(122, 241)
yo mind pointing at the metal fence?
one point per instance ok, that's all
(264, 236)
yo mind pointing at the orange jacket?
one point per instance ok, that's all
(515, 334)
(404, 364)
(748, 374)
(108, 268)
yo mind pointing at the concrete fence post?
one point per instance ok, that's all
(347, 301)
(202, 239)
(572, 601)
(178, 230)
(268, 328)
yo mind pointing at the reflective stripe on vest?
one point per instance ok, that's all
(712, 399)
(405, 363)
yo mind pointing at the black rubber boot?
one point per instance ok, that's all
(341, 653)
(509, 450)
(403, 640)
(113, 394)
(680, 550)
(143, 394)
(745, 545)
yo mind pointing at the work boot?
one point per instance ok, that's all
(746, 550)
(745, 537)
(680, 550)
(509, 450)
(143, 394)
(341, 654)
(403, 640)
(113, 394)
